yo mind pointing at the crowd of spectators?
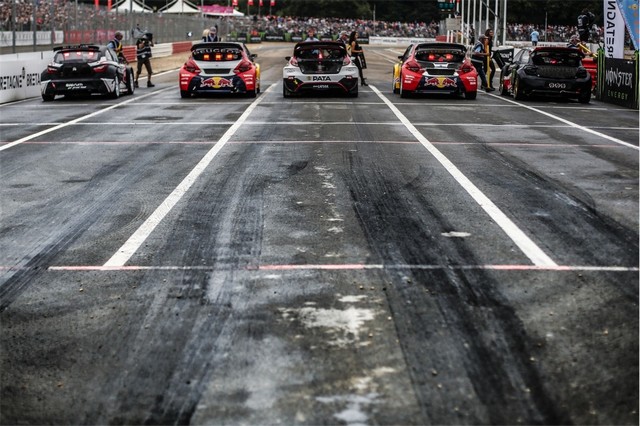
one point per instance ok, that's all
(553, 33)
(58, 14)
(279, 25)
(47, 13)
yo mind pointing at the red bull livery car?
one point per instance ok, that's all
(435, 68)
(319, 66)
(219, 67)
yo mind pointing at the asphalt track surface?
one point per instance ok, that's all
(318, 260)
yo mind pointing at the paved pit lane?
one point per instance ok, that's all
(318, 260)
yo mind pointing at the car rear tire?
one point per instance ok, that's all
(396, 90)
(47, 97)
(502, 88)
(116, 90)
(470, 95)
(585, 97)
(403, 93)
(518, 94)
(130, 86)
(354, 92)
(185, 94)
(286, 93)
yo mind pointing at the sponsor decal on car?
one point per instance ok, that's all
(75, 86)
(319, 78)
(440, 82)
(217, 83)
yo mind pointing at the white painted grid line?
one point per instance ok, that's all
(142, 233)
(571, 123)
(84, 117)
(345, 267)
(528, 247)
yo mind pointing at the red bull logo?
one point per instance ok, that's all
(217, 83)
(440, 82)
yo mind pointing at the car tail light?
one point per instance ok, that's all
(243, 66)
(100, 68)
(413, 66)
(531, 70)
(346, 60)
(466, 67)
(581, 73)
(52, 70)
(293, 62)
(191, 66)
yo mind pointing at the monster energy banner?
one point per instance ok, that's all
(618, 81)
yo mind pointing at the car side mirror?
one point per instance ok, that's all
(253, 56)
(400, 57)
(288, 58)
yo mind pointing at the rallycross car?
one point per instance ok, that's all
(219, 67)
(435, 68)
(319, 66)
(86, 69)
(547, 71)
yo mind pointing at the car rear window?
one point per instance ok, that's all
(76, 56)
(320, 52)
(564, 59)
(217, 54)
(439, 56)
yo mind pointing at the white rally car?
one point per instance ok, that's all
(319, 66)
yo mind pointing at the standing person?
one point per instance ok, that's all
(575, 43)
(210, 35)
(143, 56)
(357, 54)
(535, 35)
(344, 37)
(491, 66)
(116, 45)
(311, 35)
(585, 21)
(478, 59)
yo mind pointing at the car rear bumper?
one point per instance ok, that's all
(437, 85)
(81, 86)
(346, 85)
(217, 84)
(555, 88)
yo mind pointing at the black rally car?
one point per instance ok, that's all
(86, 69)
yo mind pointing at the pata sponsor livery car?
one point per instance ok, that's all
(319, 66)
(219, 67)
(547, 71)
(435, 68)
(85, 69)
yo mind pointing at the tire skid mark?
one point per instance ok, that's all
(497, 362)
(77, 222)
